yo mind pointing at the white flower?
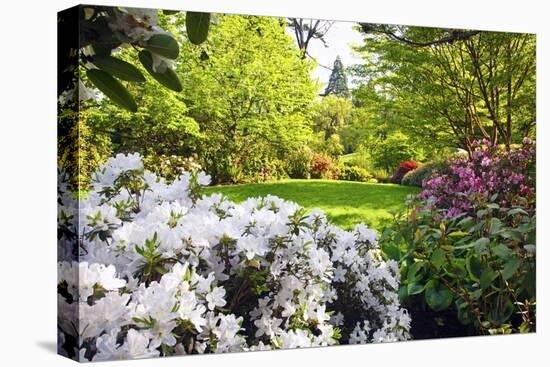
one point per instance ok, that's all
(215, 298)
(215, 249)
(267, 325)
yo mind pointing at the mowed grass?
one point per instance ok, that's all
(345, 203)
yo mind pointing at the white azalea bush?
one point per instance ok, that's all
(155, 269)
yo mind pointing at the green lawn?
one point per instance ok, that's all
(345, 203)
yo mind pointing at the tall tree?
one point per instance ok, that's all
(250, 91)
(338, 81)
(458, 86)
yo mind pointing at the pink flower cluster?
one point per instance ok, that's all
(506, 177)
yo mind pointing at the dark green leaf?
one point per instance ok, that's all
(101, 50)
(169, 78)
(112, 88)
(487, 278)
(119, 68)
(502, 251)
(517, 211)
(415, 288)
(495, 227)
(414, 274)
(438, 297)
(163, 45)
(197, 25)
(392, 251)
(510, 268)
(403, 293)
(502, 310)
(481, 244)
(438, 258)
(474, 266)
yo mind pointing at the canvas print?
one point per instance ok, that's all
(233, 183)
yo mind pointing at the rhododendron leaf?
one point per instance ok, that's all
(163, 45)
(119, 68)
(415, 288)
(495, 227)
(438, 258)
(168, 78)
(414, 273)
(457, 234)
(515, 211)
(474, 266)
(503, 310)
(197, 25)
(480, 245)
(510, 268)
(392, 251)
(487, 278)
(438, 296)
(502, 251)
(112, 88)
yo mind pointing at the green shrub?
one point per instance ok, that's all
(354, 173)
(479, 270)
(422, 173)
(381, 175)
(298, 163)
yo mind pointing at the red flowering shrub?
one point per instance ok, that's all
(404, 167)
(322, 166)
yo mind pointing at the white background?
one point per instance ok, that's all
(28, 181)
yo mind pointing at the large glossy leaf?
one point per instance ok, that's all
(487, 278)
(502, 310)
(112, 88)
(119, 68)
(438, 296)
(510, 268)
(415, 288)
(474, 266)
(168, 78)
(163, 45)
(197, 25)
(438, 258)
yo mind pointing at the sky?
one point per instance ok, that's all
(339, 39)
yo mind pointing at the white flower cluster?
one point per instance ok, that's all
(138, 25)
(156, 269)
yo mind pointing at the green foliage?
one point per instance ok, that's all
(422, 173)
(396, 148)
(354, 173)
(161, 125)
(330, 114)
(250, 91)
(80, 150)
(481, 268)
(298, 162)
(443, 94)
